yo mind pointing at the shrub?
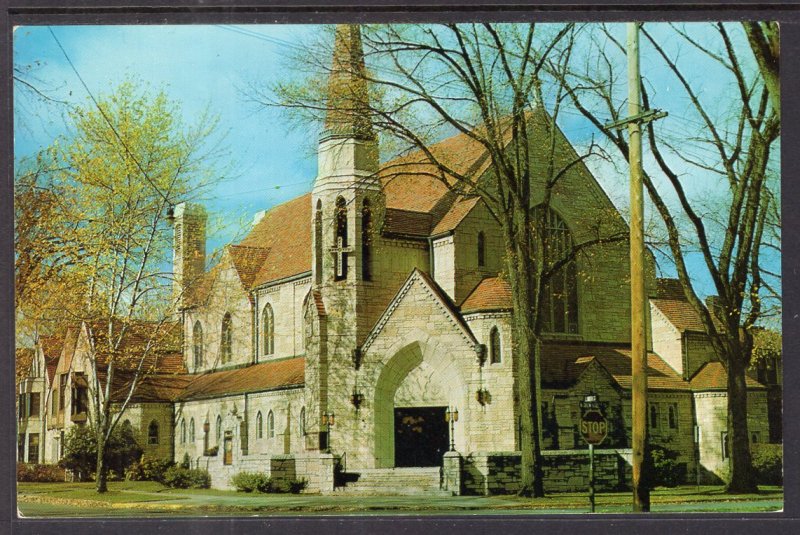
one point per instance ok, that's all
(186, 478)
(251, 482)
(154, 469)
(40, 473)
(768, 463)
(80, 451)
(186, 462)
(667, 471)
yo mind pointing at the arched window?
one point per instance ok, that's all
(654, 416)
(259, 425)
(152, 433)
(268, 329)
(341, 239)
(494, 346)
(672, 415)
(366, 241)
(318, 243)
(226, 340)
(219, 428)
(206, 439)
(191, 430)
(270, 425)
(302, 421)
(559, 299)
(183, 431)
(197, 344)
(481, 249)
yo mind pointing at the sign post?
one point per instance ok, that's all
(594, 430)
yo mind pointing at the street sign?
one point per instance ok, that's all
(594, 427)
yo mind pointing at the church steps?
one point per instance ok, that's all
(392, 481)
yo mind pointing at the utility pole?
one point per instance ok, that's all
(636, 117)
(641, 492)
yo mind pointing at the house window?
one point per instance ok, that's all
(672, 416)
(341, 239)
(268, 329)
(35, 401)
(653, 416)
(197, 344)
(366, 241)
(725, 450)
(226, 342)
(33, 448)
(259, 425)
(62, 391)
(559, 300)
(183, 431)
(270, 425)
(219, 429)
(152, 433)
(21, 400)
(302, 421)
(494, 346)
(318, 243)
(481, 249)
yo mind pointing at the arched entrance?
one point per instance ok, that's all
(413, 391)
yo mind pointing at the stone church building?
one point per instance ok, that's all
(336, 341)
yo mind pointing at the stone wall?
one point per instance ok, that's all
(667, 340)
(286, 300)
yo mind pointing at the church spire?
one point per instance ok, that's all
(347, 99)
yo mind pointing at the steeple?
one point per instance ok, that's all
(348, 91)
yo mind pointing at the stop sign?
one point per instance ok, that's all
(594, 427)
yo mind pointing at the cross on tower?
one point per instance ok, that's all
(340, 252)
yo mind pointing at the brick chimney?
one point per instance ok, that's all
(189, 247)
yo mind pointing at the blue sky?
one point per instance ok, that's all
(207, 66)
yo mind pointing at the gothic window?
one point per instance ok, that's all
(191, 430)
(219, 428)
(318, 243)
(481, 249)
(197, 344)
(226, 341)
(341, 239)
(268, 329)
(183, 431)
(494, 346)
(152, 433)
(259, 425)
(559, 299)
(653, 416)
(725, 450)
(366, 241)
(672, 416)
(205, 437)
(302, 421)
(270, 425)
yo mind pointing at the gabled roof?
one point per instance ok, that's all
(151, 388)
(285, 232)
(491, 294)
(271, 375)
(436, 292)
(458, 211)
(712, 376)
(159, 343)
(247, 261)
(563, 363)
(672, 303)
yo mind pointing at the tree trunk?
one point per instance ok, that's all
(522, 280)
(101, 477)
(742, 478)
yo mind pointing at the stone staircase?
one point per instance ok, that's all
(392, 481)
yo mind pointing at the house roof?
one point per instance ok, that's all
(159, 343)
(562, 364)
(672, 302)
(712, 376)
(271, 375)
(458, 211)
(492, 293)
(151, 388)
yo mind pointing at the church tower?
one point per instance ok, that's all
(346, 201)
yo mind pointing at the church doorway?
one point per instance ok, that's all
(420, 436)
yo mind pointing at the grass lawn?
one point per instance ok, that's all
(146, 498)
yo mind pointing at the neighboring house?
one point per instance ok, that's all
(349, 321)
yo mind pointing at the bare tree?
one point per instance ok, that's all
(733, 145)
(486, 82)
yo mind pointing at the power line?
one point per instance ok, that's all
(108, 121)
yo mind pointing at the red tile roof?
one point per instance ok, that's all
(151, 388)
(159, 343)
(562, 364)
(460, 209)
(712, 376)
(285, 231)
(672, 302)
(492, 293)
(270, 375)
